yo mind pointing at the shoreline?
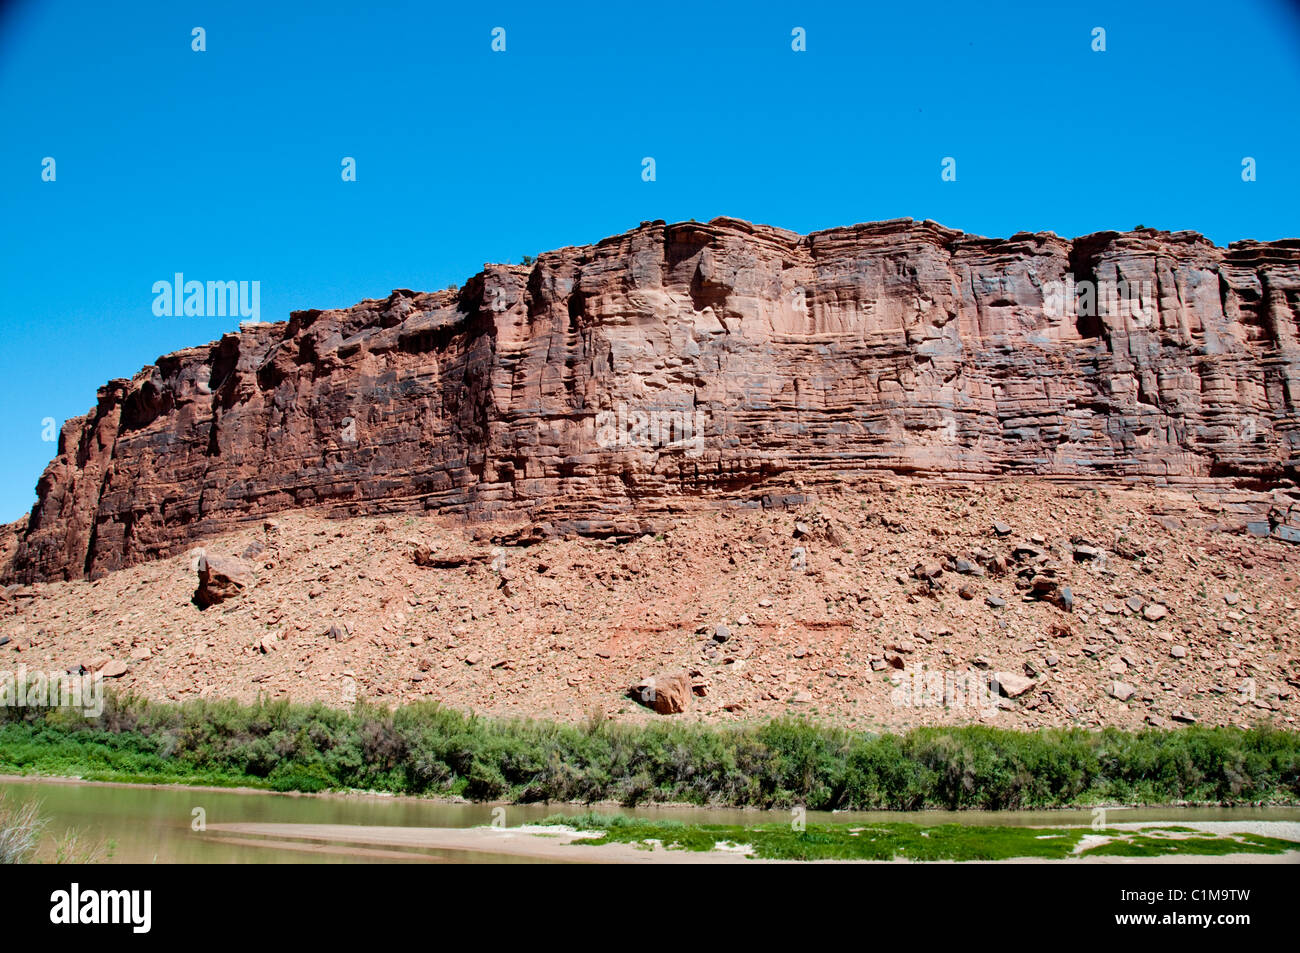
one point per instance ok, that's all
(561, 844)
(685, 806)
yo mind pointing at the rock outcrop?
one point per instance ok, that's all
(690, 362)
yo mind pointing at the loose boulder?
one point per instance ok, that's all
(1012, 685)
(222, 578)
(1121, 691)
(666, 694)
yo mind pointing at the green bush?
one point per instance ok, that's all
(427, 749)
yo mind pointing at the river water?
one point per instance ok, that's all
(156, 824)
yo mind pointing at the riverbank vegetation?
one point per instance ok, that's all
(23, 828)
(424, 749)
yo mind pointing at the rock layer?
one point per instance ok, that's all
(764, 363)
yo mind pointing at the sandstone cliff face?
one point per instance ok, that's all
(765, 362)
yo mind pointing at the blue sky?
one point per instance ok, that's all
(225, 164)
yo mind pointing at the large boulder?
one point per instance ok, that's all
(222, 578)
(1012, 685)
(666, 694)
(114, 668)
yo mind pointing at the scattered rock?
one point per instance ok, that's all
(1024, 553)
(1121, 691)
(666, 694)
(1043, 586)
(1012, 685)
(222, 578)
(423, 555)
(1154, 612)
(927, 570)
(1065, 598)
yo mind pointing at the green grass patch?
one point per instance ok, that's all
(892, 841)
(1145, 843)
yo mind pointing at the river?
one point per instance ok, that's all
(156, 824)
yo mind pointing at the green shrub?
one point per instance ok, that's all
(427, 749)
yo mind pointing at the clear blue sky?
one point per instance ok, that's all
(226, 164)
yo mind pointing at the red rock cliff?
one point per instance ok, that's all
(898, 345)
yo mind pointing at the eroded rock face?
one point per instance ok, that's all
(690, 362)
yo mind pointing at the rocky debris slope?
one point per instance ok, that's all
(694, 361)
(908, 604)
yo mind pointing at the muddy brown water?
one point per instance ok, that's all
(156, 824)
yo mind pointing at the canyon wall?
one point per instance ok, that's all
(764, 362)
